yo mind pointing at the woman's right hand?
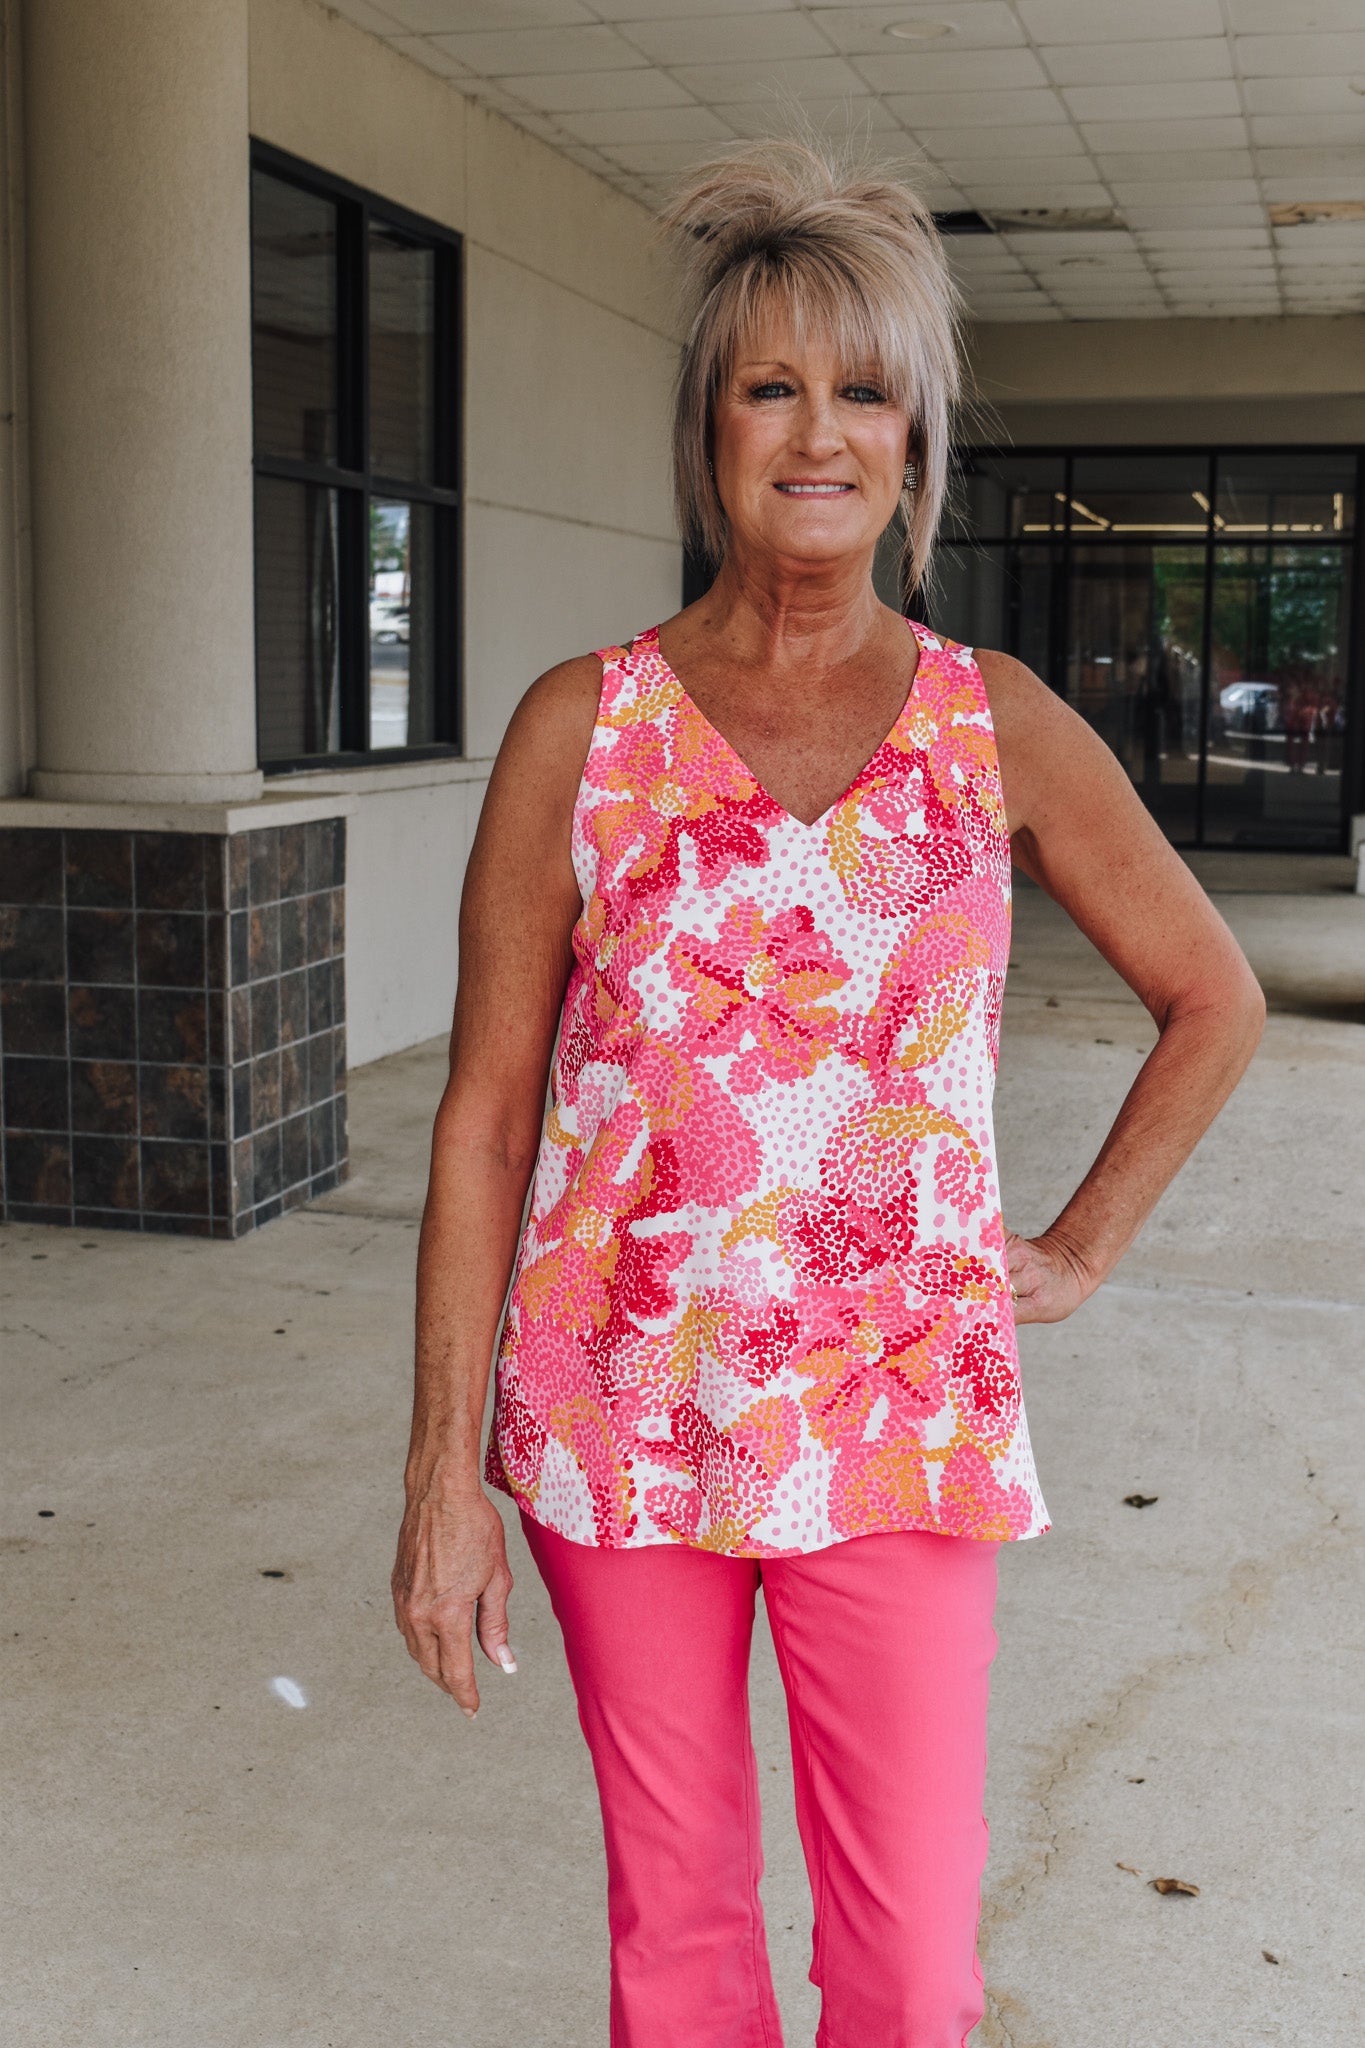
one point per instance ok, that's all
(451, 1577)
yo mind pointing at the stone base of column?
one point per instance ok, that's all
(172, 1024)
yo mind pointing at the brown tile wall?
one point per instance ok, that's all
(172, 1026)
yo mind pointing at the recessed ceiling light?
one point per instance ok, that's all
(919, 31)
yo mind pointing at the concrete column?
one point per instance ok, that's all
(140, 372)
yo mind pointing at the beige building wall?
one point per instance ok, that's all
(569, 534)
(1169, 380)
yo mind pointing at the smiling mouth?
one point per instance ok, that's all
(793, 490)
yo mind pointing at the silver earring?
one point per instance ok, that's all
(912, 476)
(709, 470)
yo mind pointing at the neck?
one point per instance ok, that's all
(791, 614)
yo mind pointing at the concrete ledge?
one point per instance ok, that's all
(382, 780)
(35, 814)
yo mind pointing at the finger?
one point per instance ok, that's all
(453, 1627)
(492, 1624)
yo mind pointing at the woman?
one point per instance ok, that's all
(753, 868)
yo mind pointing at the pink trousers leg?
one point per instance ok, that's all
(885, 1644)
(658, 1648)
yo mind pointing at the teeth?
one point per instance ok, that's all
(814, 490)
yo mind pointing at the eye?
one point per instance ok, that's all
(865, 394)
(775, 388)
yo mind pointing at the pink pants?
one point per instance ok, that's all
(885, 1644)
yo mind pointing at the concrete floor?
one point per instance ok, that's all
(216, 1434)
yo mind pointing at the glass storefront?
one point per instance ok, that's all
(1195, 607)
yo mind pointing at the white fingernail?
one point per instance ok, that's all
(505, 1657)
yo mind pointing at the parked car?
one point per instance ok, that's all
(1247, 707)
(388, 622)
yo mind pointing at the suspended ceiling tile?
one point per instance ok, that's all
(976, 25)
(1165, 138)
(1025, 108)
(1024, 195)
(1106, 21)
(1130, 64)
(668, 10)
(1285, 191)
(1332, 162)
(1253, 17)
(726, 38)
(571, 92)
(655, 159)
(1177, 192)
(894, 68)
(1194, 100)
(1332, 238)
(647, 124)
(1300, 56)
(435, 17)
(1165, 241)
(1304, 95)
(1074, 171)
(1175, 165)
(1241, 215)
(758, 118)
(1310, 131)
(512, 51)
(821, 76)
(963, 146)
(421, 50)
(1043, 244)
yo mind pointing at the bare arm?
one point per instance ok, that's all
(1079, 829)
(517, 915)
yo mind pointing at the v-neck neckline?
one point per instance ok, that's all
(912, 698)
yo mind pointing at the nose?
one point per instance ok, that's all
(818, 434)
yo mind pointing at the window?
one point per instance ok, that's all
(355, 373)
(1196, 606)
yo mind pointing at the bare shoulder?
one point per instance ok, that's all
(526, 821)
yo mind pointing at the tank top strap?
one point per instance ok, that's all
(637, 687)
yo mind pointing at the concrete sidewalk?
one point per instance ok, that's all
(206, 1446)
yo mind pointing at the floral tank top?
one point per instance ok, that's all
(761, 1303)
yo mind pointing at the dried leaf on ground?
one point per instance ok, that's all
(1141, 1500)
(1174, 1884)
(1131, 1868)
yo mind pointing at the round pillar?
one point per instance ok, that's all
(138, 239)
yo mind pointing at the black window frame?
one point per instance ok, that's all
(357, 484)
(1061, 539)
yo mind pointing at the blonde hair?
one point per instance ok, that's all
(842, 251)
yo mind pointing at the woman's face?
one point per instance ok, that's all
(808, 451)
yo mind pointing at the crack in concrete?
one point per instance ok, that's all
(1227, 1619)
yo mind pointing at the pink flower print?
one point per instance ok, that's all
(764, 979)
(715, 1152)
(972, 1502)
(692, 787)
(737, 1487)
(828, 1238)
(769, 1431)
(960, 1178)
(763, 1349)
(902, 869)
(985, 1376)
(880, 1485)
